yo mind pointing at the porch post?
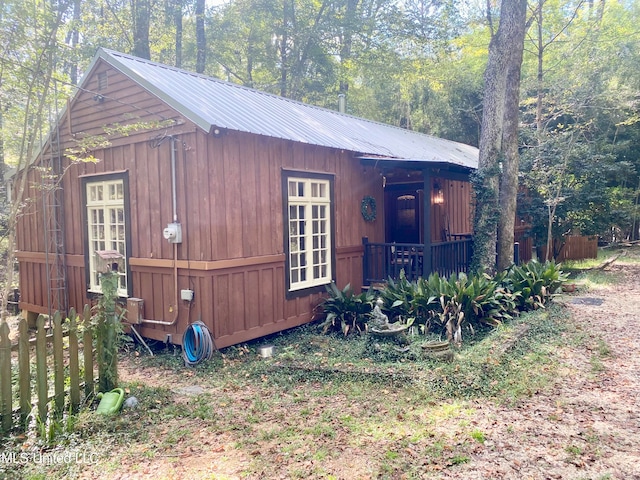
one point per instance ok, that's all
(426, 220)
(365, 261)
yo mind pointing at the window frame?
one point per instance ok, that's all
(105, 178)
(312, 286)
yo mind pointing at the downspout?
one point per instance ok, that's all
(175, 245)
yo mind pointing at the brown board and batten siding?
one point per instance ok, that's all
(454, 215)
(229, 202)
(230, 207)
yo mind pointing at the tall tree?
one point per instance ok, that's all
(177, 19)
(498, 133)
(72, 40)
(201, 39)
(141, 23)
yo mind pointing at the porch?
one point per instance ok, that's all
(384, 260)
(427, 212)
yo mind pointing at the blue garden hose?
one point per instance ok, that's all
(197, 344)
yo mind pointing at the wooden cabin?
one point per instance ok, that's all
(219, 203)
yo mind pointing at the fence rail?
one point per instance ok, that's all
(50, 356)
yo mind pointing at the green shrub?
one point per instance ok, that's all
(397, 296)
(411, 301)
(451, 305)
(471, 301)
(345, 311)
(533, 283)
(448, 304)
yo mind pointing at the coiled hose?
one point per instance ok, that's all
(197, 344)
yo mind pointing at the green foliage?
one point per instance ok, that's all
(397, 296)
(471, 300)
(468, 302)
(533, 283)
(580, 122)
(448, 304)
(108, 330)
(486, 216)
(345, 311)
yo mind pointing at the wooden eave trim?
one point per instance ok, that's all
(182, 128)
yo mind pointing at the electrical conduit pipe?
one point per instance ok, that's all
(175, 245)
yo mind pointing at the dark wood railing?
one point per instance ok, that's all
(384, 260)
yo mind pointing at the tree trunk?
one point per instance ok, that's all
(141, 13)
(348, 29)
(510, 153)
(3, 167)
(283, 49)
(201, 41)
(505, 53)
(177, 18)
(73, 39)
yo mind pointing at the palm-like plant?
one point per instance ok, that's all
(533, 283)
(345, 311)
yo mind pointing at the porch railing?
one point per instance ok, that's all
(384, 260)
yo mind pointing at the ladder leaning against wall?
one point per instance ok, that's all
(53, 217)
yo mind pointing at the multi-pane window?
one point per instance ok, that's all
(309, 232)
(106, 229)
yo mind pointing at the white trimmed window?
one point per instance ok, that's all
(309, 232)
(106, 229)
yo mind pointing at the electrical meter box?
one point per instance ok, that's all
(173, 233)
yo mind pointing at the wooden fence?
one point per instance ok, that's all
(16, 363)
(521, 236)
(573, 247)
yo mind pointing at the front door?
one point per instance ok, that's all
(403, 213)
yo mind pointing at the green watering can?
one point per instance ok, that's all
(110, 402)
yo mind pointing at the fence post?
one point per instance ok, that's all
(41, 368)
(24, 367)
(74, 370)
(6, 397)
(87, 351)
(58, 364)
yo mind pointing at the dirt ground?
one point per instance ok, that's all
(587, 426)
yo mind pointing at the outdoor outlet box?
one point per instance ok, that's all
(135, 310)
(173, 233)
(186, 295)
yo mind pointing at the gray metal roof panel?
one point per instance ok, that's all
(210, 102)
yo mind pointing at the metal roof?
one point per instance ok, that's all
(211, 103)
